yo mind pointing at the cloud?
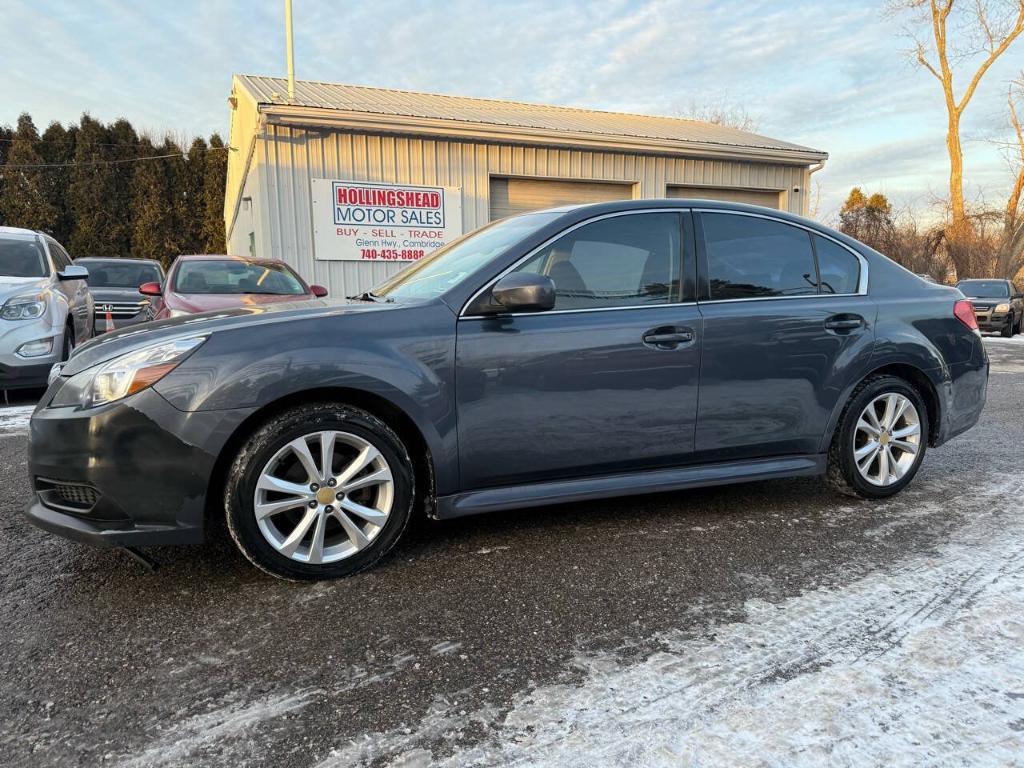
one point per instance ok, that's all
(830, 75)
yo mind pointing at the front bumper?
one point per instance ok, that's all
(18, 372)
(990, 322)
(145, 468)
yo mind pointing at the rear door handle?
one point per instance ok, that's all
(668, 337)
(844, 323)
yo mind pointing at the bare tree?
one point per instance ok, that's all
(985, 31)
(720, 112)
(1010, 257)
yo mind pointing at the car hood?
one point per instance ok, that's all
(116, 295)
(205, 302)
(15, 286)
(126, 339)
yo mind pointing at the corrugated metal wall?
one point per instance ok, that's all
(287, 158)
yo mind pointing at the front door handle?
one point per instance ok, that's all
(844, 323)
(667, 337)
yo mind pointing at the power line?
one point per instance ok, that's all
(183, 155)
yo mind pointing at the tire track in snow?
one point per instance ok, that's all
(918, 663)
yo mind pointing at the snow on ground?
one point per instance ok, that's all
(918, 664)
(14, 419)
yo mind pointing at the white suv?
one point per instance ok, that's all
(45, 307)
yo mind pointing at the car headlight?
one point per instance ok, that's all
(1002, 308)
(28, 307)
(125, 375)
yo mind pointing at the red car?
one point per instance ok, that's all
(203, 283)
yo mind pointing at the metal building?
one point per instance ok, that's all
(348, 184)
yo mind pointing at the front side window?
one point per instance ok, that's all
(839, 269)
(620, 261)
(22, 257)
(60, 256)
(234, 276)
(750, 257)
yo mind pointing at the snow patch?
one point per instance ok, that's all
(922, 663)
(14, 420)
(186, 738)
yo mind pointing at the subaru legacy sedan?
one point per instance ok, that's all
(578, 353)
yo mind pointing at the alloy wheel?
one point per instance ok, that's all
(887, 439)
(323, 497)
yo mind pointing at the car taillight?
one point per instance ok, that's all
(963, 310)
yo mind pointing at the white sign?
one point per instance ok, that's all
(367, 221)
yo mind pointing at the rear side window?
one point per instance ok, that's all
(750, 257)
(839, 269)
(621, 261)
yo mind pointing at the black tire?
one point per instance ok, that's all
(240, 488)
(1007, 330)
(68, 343)
(842, 474)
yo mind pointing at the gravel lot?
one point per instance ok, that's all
(770, 624)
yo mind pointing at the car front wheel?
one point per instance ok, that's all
(881, 439)
(319, 492)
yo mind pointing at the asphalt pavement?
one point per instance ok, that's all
(530, 637)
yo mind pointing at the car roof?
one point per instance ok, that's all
(18, 232)
(225, 257)
(128, 259)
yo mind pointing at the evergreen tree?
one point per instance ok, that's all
(92, 192)
(6, 138)
(153, 235)
(214, 181)
(24, 202)
(119, 207)
(58, 149)
(190, 204)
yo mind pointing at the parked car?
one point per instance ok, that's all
(115, 290)
(203, 283)
(998, 304)
(602, 350)
(46, 307)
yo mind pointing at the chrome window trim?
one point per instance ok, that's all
(549, 241)
(862, 282)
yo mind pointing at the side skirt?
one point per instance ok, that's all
(608, 486)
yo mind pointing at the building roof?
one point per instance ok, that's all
(271, 95)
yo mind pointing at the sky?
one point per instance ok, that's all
(830, 75)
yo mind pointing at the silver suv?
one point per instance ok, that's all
(45, 307)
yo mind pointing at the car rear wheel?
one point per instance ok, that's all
(319, 492)
(881, 439)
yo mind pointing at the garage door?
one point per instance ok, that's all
(769, 198)
(511, 196)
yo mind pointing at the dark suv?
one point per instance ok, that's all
(603, 350)
(998, 305)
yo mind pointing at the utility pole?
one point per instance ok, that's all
(288, 44)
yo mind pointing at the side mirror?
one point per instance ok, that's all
(73, 272)
(1018, 296)
(524, 292)
(318, 290)
(150, 289)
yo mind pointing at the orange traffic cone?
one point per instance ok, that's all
(110, 322)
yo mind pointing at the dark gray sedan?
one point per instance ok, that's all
(604, 350)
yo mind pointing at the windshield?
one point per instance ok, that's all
(119, 274)
(984, 289)
(231, 276)
(22, 258)
(448, 266)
